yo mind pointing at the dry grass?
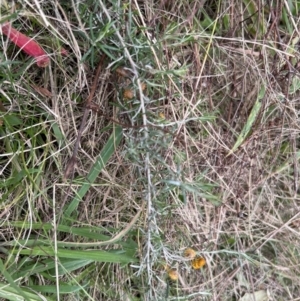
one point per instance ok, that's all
(205, 66)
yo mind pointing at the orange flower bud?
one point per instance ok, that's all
(198, 263)
(128, 94)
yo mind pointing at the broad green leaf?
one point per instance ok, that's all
(12, 120)
(57, 133)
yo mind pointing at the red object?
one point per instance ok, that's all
(64, 52)
(27, 44)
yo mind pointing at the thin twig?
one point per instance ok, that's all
(149, 188)
(69, 171)
(70, 168)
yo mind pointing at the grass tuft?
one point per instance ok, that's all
(191, 143)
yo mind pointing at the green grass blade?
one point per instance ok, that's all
(17, 291)
(108, 150)
(51, 289)
(115, 256)
(9, 293)
(66, 265)
(85, 232)
(251, 119)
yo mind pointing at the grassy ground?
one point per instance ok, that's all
(193, 143)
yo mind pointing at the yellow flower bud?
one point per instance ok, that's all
(173, 274)
(189, 253)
